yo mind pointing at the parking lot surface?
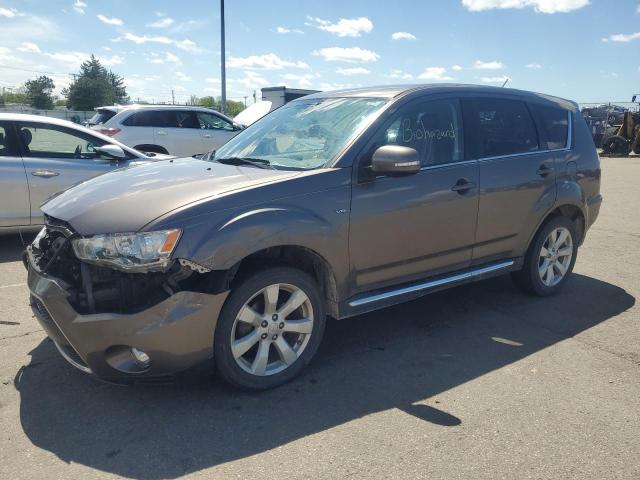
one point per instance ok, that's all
(480, 381)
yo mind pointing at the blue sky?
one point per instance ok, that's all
(586, 50)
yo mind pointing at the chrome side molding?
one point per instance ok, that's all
(432, 283)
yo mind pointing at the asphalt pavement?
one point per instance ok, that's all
(478, 382)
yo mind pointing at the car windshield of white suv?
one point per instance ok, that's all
(301, 135)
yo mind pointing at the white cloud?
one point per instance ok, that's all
(10, 12)
(112, 60)
(186, 44)
(110, 21)
(434, 73)
(162, 23)
(534, 66)
(212, 80)
(403, 36)
(251, 80)
(480, 65)
(350, 55)
(623, 37)
(268, 61)
(456, 68)
(353, 71)
(500, 79)
(303, 81)
(71, 60)
(335, 86)
(400, 75)
(171, 58)
(345, 27)
(79, 6)
(284, 30)
(542, 6)
(183, 77)
(29, 47)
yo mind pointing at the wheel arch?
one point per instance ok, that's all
(572, 211)
(295, 256)
(151, 147)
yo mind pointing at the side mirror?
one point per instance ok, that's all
(111, 152)
(237, 127)
(395, 160)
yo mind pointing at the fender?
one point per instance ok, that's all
(248, 232)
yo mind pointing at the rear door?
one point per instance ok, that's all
(215, 130)
(56, 157)
(517, 175)
(180, 133)
(14, 190)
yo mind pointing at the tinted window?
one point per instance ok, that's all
(433, 128)
(51, 141)
(209, 121)
(185, 119)
(5, 147)
(555, 122)
(150, 118)
(101, 116)
(501, 127)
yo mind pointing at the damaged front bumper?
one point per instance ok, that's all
(159, 341)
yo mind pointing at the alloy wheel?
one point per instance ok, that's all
(272, 329)
(555, 256)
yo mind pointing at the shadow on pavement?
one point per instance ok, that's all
(399, 357)
(12, 246)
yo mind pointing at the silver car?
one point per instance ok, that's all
(40, 156)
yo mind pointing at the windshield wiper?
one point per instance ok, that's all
(256, 162)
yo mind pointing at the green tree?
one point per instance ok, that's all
(40, 92)
(95, 86)
(233, 107)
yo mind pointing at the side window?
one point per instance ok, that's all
(555, 122)
(433, 128)
(6, 149)
(501, 126)
(185, 119)
(51, 141)
(209, 121)
(151, 118)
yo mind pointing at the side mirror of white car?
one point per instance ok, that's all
(111, 152)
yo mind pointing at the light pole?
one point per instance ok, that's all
(223, 75)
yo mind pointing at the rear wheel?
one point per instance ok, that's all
(550, 258)
(270, 328)
(616, 145)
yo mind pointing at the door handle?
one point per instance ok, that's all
(45, 173)
(544, 170)
(462, 186)
(161, 132)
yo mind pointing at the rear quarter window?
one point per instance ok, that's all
(554, 122)
(150, 119)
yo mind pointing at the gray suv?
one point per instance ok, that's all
(335, 205)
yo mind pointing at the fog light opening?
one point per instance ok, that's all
(142, 358)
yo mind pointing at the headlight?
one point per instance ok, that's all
(140, 252)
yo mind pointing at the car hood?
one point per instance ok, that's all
(128, 199)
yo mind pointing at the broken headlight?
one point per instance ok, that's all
(140, 252)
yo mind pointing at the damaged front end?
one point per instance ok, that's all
(93, 288)
(120, 324)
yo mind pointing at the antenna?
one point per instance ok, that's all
(506, 80)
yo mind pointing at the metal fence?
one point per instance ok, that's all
(76, 116)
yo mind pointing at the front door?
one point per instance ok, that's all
(215, 130)
(182, 136)
(406, 228)
(14, 190)
(57, 157)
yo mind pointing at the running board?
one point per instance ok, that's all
(428, 285)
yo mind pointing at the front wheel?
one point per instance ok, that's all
(550, 258)
(269, 329)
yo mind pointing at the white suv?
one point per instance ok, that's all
(176, 130)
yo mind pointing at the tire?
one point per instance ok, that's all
(616, 145)
(530, 278)
(262, 323)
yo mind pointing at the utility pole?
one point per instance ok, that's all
(173, 98)
(223, 75)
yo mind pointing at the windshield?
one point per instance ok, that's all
(304, 134)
